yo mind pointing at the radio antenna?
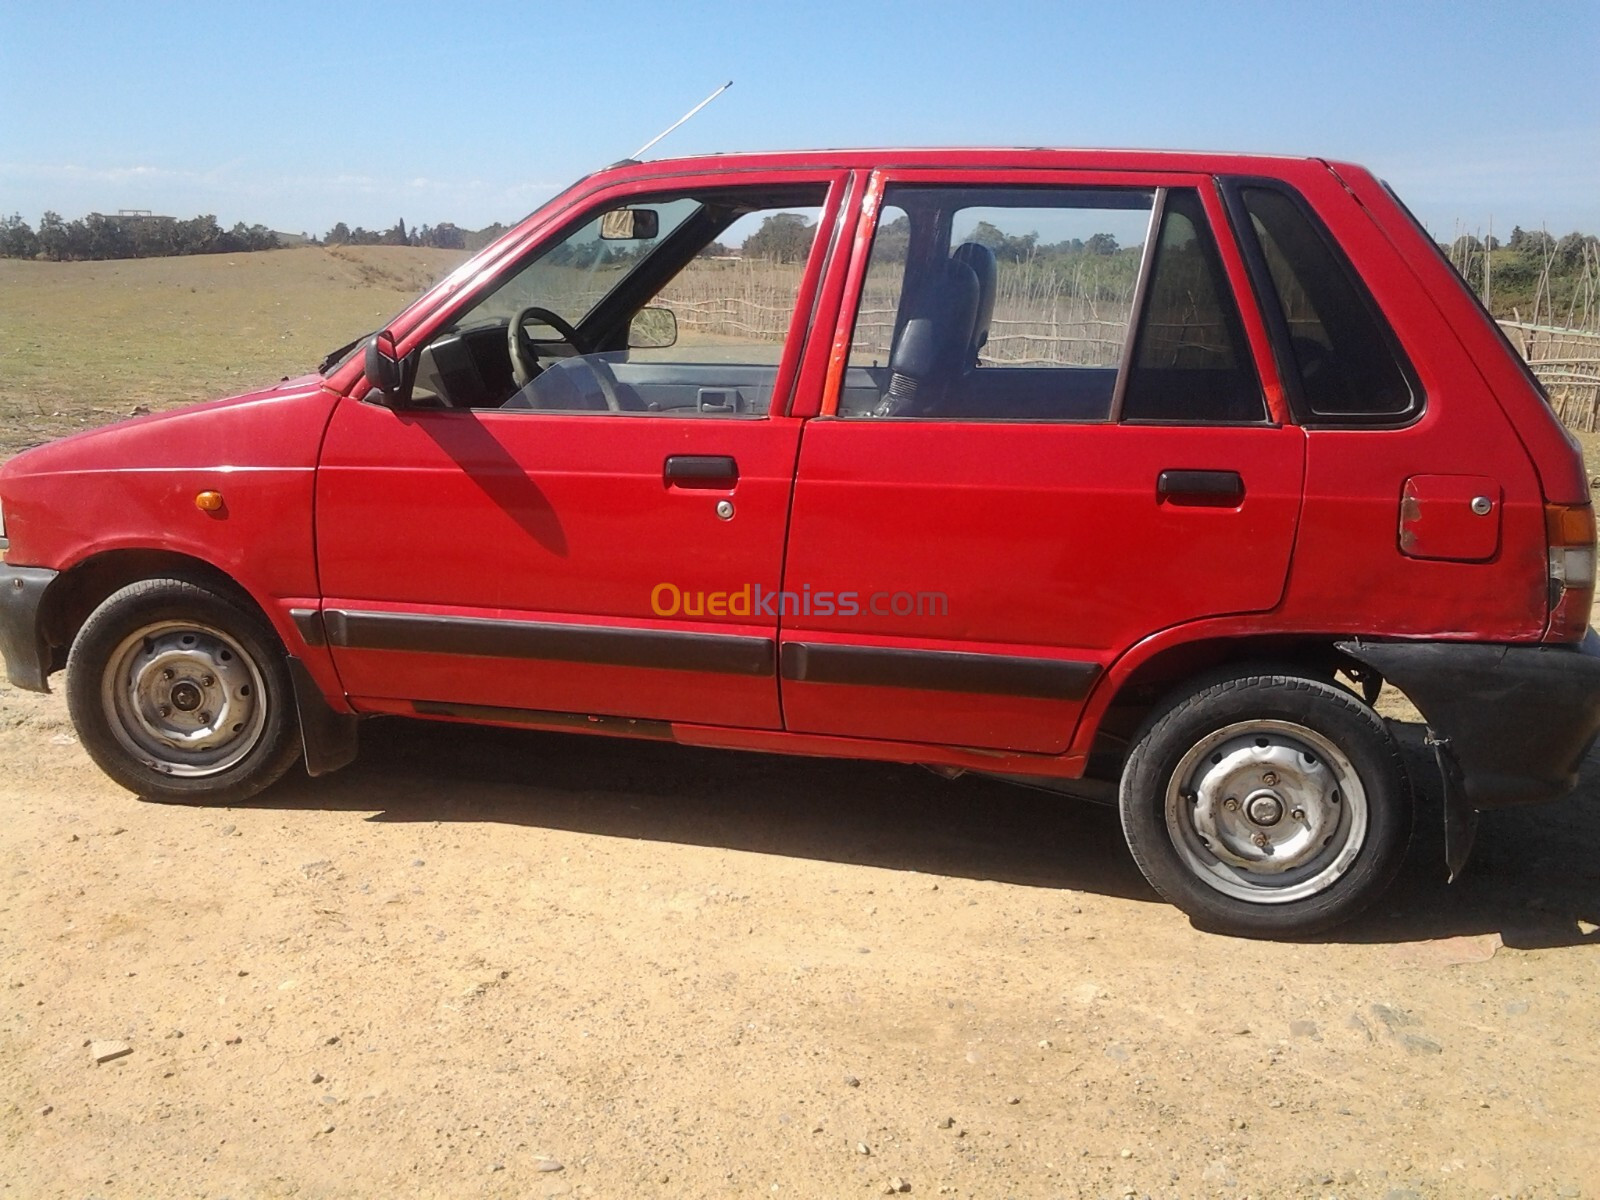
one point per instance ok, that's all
(640, 151)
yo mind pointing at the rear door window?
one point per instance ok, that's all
(1191, 362)
(997, 303)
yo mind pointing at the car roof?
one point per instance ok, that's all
(1017, 157)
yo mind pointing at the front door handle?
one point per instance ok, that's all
(1200, 487)
(701, 470)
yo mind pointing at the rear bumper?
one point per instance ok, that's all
(1516, 720)
(22, 644)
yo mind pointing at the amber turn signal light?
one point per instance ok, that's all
(208, 501)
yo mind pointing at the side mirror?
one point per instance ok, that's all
(653, 329)
(629, 225)
(390, 375)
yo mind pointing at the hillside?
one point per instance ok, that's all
(83, 343)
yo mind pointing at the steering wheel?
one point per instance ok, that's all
(525, 355)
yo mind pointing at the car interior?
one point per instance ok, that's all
(934, 367)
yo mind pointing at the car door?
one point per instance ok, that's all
(573, 546)
(1048, 439)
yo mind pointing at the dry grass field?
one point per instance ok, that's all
(85, 343)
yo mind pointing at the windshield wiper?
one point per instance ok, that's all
(337, 355)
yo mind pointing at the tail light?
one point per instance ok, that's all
(1569, 528)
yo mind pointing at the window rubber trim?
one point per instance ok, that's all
(1136, 311)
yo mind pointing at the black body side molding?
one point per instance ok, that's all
(308, 624)
(937, 670)
(607, 645)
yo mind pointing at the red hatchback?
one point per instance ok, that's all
(1135, 472)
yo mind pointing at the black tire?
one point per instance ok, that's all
(180, 693)
(1266, 805)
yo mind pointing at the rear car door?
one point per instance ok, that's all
(1046, 439)
(597, 460)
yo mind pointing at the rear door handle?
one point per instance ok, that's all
(1203, 487)
(701, 470)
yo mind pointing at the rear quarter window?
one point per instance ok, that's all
(1344, 363)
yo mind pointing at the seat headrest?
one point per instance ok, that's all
(937, 331)
(981, 259)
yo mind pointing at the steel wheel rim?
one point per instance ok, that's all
(1268, 812)
(186, 699)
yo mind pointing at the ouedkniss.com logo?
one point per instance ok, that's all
(753, 600)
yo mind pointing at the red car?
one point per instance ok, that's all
(1134, 472)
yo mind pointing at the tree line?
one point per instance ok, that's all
(1536, 245)
(1529, 270)
(443, 236)
(101, 236)
(98, 236)
(1531, 274)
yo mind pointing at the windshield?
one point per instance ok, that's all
(573, 275)
(570, 277)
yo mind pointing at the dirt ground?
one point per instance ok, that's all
(486, 963)
(492, 963)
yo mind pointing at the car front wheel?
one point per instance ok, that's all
(180, 693)
(1266, 805)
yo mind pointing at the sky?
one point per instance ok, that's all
(299, 115)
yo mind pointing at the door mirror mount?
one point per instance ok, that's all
(390, 375)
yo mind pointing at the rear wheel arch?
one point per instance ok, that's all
(1136, 692)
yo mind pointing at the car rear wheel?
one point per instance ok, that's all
(180, 693)
(1266, 804)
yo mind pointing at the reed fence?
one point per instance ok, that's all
(1050, 321)
(1567, 362)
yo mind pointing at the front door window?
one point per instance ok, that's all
(679, 305)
